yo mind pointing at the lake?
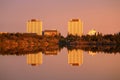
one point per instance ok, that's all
(61, 65)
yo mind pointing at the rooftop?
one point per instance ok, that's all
(75, 19)
(50, 30)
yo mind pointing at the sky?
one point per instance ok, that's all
(101, 15)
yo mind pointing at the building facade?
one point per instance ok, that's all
(75, 27)
(75, 57)
(34, 26)
(51, 33)
(34, 59)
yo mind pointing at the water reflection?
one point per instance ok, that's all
(30, 61)
(34, 55)
(51, 52)
(34, 59)
(92, 53)
(75, 57)
(95, 48)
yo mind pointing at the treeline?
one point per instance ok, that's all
(26, 39)
(22, 43)
(31, 42)
(38, 40)
(97, 39)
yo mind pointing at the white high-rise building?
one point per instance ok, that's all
(34, 26)
(75, 27)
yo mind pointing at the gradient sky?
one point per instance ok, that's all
(102, 15)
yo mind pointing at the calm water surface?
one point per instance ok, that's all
(65, 65)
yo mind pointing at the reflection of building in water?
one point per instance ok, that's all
(3, 32)
(34, 59)
(52, 52)
(91, 53)
(75, 57)
(75, 27)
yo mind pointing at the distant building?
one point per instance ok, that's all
(34, 59)
(34, 26)
(75, 27)
(51, 33)
(75, 57)
(92, 32)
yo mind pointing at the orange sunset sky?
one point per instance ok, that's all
(101, 15)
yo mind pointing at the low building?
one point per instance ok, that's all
(51, 33)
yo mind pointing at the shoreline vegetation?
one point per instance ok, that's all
(31, 42)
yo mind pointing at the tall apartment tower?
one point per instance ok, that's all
(75, 27)
(34, 26)
(75, 57)
(34, 59)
